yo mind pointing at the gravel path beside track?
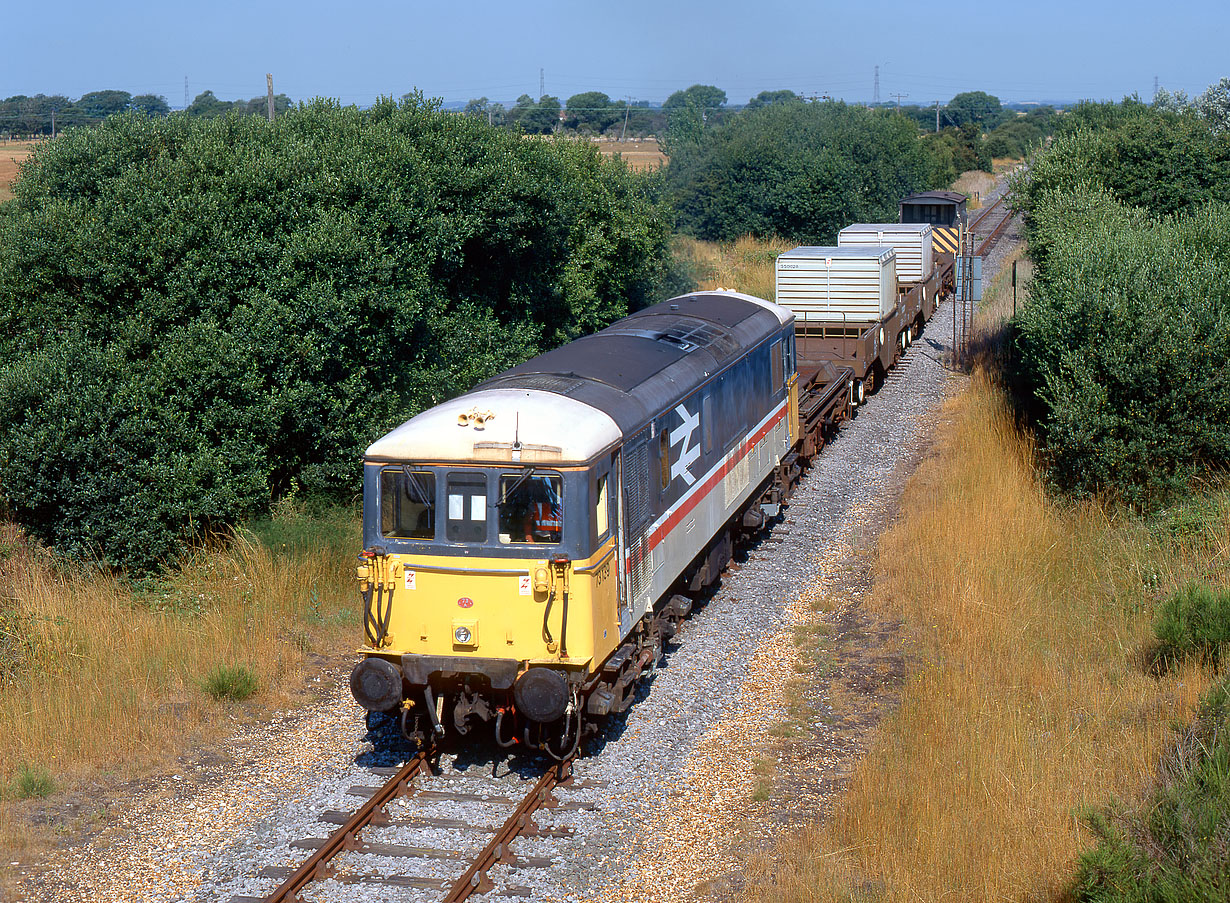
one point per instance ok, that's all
(670, 782)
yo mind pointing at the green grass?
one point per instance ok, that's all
(312, 526)
(236, 682)
(32, 782)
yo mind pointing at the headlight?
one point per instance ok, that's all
(462, 635)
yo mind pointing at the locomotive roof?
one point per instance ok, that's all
(637, 366)
(572, 403)
(485, 427)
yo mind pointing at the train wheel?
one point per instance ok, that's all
(860, 391)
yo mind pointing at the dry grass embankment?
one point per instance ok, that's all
(745, 265)
(1026, 623)
(975, 183)
(103, 680)
(12, 155)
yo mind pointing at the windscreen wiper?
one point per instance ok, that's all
(520, 481)
(421, 495)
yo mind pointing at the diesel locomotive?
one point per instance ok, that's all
(530, 545)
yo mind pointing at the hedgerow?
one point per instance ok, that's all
(197, 317)
(1123, 352)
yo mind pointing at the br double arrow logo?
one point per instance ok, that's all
(689, 450)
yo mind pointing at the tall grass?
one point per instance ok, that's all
(1031, 702)
(746, 265)
(97, 675)
(1029, 698)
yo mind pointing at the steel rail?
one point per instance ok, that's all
(995, 234)
(985, 213)
(474, 880)
(346, 837)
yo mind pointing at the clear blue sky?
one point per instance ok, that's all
(926, 49)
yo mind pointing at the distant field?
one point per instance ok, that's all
(11, 154)
(639, 153)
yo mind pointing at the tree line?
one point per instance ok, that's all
(45, 114)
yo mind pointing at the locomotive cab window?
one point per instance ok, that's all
(467, 507)
(602, 522)
(407, 503)
(531, 507)
(777, 360)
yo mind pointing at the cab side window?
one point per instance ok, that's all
(602, 518)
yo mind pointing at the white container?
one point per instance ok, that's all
(854, 284)
(911, 241)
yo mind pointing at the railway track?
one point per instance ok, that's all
(990, 224)
(407, 804)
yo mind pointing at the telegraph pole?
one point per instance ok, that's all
(937, 116)
(269, 88)
(542, 84)
(185, 92)
(627, 110)
(899, 96)
(875, 94)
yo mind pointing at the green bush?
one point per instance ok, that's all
(1173, 845)
(236, 682)
(795, 169)
(198, 317)
(1194, 622)
(1122, 353)
(1123, 349)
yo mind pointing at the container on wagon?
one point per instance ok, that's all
(852, 284)
(911, 241)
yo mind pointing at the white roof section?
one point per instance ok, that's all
(486, 426)
(861, 252)
(888, 227)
